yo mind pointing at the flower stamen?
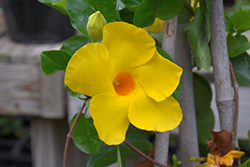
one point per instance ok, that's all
(124, 84)
(116, 83)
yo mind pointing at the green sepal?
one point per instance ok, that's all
(72, 93)
(88, 103)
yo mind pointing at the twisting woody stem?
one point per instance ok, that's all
(236, 100)
(69, 135)
(143, 155)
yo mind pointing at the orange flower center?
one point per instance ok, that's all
(124, 84)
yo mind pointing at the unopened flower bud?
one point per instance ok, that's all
(95, 25)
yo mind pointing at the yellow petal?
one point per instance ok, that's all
(213, 160)
(129, 46)
(89, 71)
(145, 113)
(110, 115)
(228, 159)
(159, 77)
(156, 26)
(234, 154)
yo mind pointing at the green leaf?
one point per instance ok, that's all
(242, 69)
(205, 122)
(79, 11)
(205, 8)
(231, 44)
(204, 114)
(120, 158)
(59, 5)
(164, 54)
(228, 15)
(241, 20)
(54, 60)
(74, 43)
(107, 155)
(174, 161)
(229, 27)
(85, 135)
(201, 88)
(148, 10)
(132, 4)
(127, 15)
(245, 8)
(184, 16)
(242, 45)
(198, 39)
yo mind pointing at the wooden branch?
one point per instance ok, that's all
(69, 135)
(236, 101)
(223, 87)
(143, 155)
(168, 44)
(188, 127)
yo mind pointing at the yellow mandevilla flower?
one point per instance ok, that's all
(226, 160)
(129, 82)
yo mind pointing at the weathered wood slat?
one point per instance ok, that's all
(19, 89)
(25, 90)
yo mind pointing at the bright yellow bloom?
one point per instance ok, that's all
(129, 82)
(156, 26)
(217, 161)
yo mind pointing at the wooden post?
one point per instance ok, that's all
(48, 139)
(187, 128)
(168, 44)
(222, 79)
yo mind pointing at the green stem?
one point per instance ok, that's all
(246, 162)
